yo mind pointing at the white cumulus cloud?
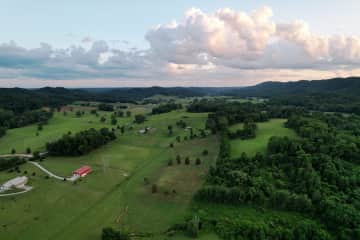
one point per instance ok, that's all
(226, 45)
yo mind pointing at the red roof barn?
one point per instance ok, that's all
(83, 171)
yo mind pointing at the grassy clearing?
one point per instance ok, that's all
(274, 127)
(115, 193)
(21, 138)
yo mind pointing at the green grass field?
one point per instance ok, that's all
(21, 138)
(274, 127)
(115, 193)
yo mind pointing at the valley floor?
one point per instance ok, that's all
(115, 193)
(118, 191)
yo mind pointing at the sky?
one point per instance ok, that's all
(112, 43)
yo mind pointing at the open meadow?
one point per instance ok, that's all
(274, 127)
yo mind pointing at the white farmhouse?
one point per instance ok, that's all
(18, 182)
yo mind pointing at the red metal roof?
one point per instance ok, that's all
(83, 170)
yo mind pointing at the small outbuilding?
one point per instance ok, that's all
(83, 171)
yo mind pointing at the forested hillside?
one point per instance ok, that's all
(348, 86)
(339, 94)
(333, 95)
(315, 175)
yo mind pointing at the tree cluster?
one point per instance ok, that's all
(223, 114)
(8, 163)
(8, 119)
(106, 107)
(80, 143)
(248, 131)
(164, 108)
(316, 175)
(112, 234)
(139, 118)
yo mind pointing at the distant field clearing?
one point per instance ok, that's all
(274, 127)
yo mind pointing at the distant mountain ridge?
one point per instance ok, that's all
(349, 85)
(18, 99)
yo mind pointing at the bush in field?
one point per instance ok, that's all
(193, 227)
(28, 150)
(36, 155)
(170, 129)
(154, 188)
(205, 152)
(146, 181)
(106, 107)
(113, 120)
(178, 159)
(166, 108)
(139, 118)
(170, 163)
(111, 234)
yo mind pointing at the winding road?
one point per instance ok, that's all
(26, 189)
(16, 155)
(72, 178)
(29, 156)
(45, 170)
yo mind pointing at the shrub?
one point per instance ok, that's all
(139, 118)
(170, 163)
(111, 234)
(146, 181)
(193, 227)
(154, 188)
(28, 150)
(178, 159)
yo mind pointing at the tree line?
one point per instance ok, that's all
(223, 114)
(164, 108)
(9, 119)
(80, 143)
(8, 163)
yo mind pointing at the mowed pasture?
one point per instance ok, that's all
(274, 127)
(115, 193)
(22, 138)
